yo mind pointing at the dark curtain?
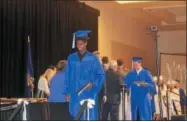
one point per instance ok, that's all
(49, 24)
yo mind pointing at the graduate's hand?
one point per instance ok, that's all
(90, 85)
(157, 117)
(128, 98)
(67, 98)
(104, 99)
(32, 86)
(150, 97)
(143, 84)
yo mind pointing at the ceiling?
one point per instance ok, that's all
(168, 15)
(179, 11)
(165, 14)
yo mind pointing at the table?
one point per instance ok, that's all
(37, 109)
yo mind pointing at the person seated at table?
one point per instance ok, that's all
(44, 82)
(57, 84)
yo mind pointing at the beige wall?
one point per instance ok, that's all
(172, 41)
(173, 66)
(122, 36)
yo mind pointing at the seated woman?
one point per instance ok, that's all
(44, 82)
(57, 84)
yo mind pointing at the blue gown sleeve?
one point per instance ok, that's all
(67, 87)
(151, 86)
(98, 79)
(153, 104)
(63, 88)
(127, 80)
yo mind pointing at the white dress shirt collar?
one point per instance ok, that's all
(138, 71)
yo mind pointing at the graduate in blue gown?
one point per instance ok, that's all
(57, 86)
(140, 93)
(83, 68)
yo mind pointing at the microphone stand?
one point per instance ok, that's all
(169, 103)
(32, 92)
(158, 72)
(123, 103)
(31, 86)
(167, 99)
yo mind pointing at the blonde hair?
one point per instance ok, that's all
(113, 63)
(96, 53)
(61, 65)
(155, 78)
(49, 73)
(106, 67)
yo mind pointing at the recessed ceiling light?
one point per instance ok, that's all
(122, 2)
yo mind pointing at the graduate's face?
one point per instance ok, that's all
(81, 45)
(115, 68)
(137, 65)
(161, 82)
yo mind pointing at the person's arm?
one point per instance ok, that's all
(98, 78)
(121, 76)
(46, 88)
(151, 85)
(183, 94)
(105, 89)
(182, 97)
(105, 92)
(157, 107)
(127, 80)
(67, 80)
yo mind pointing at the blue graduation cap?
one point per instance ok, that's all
(80, 34)
(137, 59)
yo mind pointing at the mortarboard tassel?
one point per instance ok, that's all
(132, 64)
(73, 43)
(28, 39)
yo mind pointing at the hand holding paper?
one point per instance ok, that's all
(67, 98)
(141, 83)
(89, 86)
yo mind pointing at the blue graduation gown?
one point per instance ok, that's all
(78, 74)
(153, 104)
(57, 88)
(140, 100)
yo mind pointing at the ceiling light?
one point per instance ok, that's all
(122, 2)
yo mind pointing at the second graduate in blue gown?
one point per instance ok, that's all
(140, 95)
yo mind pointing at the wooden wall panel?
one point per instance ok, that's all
(125, 52)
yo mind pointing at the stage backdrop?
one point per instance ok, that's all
(49, 24)
(173, 66)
